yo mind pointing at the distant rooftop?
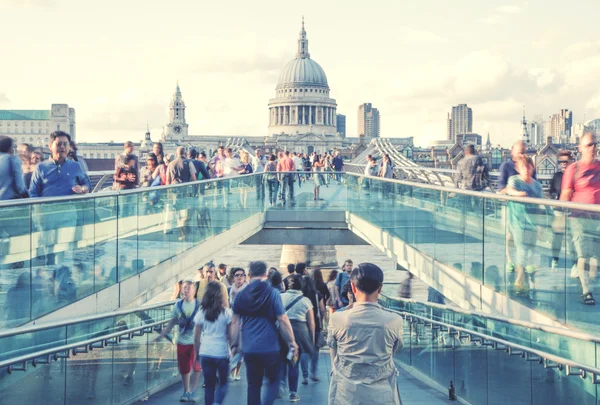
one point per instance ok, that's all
(24, 115)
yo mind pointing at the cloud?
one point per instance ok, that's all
(28, 3)
(509, 9)
(408, 34)
(500, 14)
(543, 77)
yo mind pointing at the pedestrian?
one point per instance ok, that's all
(581, 184)
(522, 220)
(126, 175)
(157, 149)
(128, 149)
(286, 167)
(58, 176)
(348, 295)
(299, 310)
(75, 157)
(12, 185)
(222, 275)
(212, 339)
(559, 222)
(182, 170)
(332, 302)
(317, 177)
(338, 166)
(183, 315)
(299, 167)
(246, 168)
(342, 277)
(470, 170)
(24, 151)
(258, 166)
(147, 172)
(362, 343)
(506, 170)
(256, 310)
(318, 307)
(271, 179)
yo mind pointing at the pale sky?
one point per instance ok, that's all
(117, 62)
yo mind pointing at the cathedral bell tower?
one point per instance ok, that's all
(177, 128)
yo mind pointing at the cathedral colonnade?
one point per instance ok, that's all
(302, 115)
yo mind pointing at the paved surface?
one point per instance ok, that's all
(412, 391)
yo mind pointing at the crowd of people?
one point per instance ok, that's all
(275, 325)
(576, 181)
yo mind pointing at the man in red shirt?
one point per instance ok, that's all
(581, 184)
(286, 164)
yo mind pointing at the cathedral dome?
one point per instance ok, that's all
(302, 71)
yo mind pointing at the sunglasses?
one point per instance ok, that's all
(240, 275)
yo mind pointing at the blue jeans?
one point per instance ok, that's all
(259, 365)
(210, 367)
(293, 375)
(305, 358)
(287, 191)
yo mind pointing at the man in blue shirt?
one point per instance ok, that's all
(257, 307)
(341, 280)
(338, 166)
(507, 169)
(58, 176)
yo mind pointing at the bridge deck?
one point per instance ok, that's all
(412, 391)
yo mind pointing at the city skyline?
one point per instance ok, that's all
(227, 65)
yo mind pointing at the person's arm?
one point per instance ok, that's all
(166, 330)
(310, 320)
(287, 332)
(234, 337)
(35, 188)
(502, 178)
(322, 309)
(18, 176)
(338, 293)
(192, 171)
(197, 335)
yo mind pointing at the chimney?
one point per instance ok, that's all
(459, 139)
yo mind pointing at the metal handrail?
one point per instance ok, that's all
(88, 318)
(547, 359)
(115, 193)
(65, 351)
(531, 325)
(479, 194)
(490, 196)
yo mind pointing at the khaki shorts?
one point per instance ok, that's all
(586, 235)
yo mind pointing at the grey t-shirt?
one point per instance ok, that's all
(298, 311)
(186, 338)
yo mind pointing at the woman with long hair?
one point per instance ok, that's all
(157, 149)
(212, 338)
(318, 177)
(301, 316)
(331, 303)
(310, 291)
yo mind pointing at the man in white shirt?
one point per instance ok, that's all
(258, 166)
(231, 165)
(299, 166)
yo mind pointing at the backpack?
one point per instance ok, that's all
(271, 168)
(184, 322)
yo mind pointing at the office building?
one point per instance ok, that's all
(369, 121)
(460, 121)
(341, 124)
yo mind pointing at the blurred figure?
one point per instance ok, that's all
(238, 276)
(471, 170)
(17, 301)
(348, 295)
(343, 277)
(276, 280)
(559, 222)
(177, 291)
(332, 303)
(24, 151)
(271, 179)
(76, 158)
(36, 158)
(126, 175)
(11, 182)
(157, 149)
(246, 168)
(338, 166)
(147, 172)
(405, 290)
(286, 166)
(317, 177)
(581, 184)
(128, 149)
(435, 296)
(521, 220)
